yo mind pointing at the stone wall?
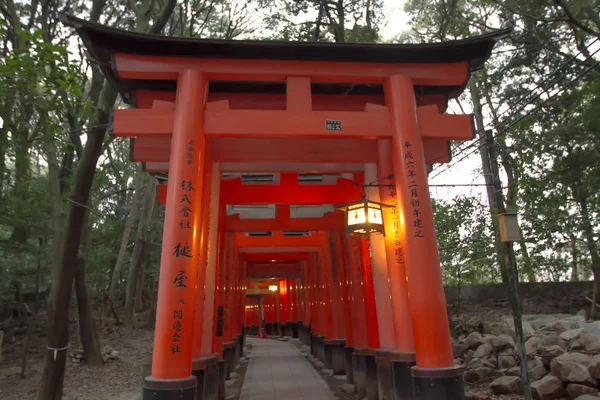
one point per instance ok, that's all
(500, 291)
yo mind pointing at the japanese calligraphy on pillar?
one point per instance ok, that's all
(182, 252)
(370, 265)
(395, 222)
(414, 191)
(190, 154)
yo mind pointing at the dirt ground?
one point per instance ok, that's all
(118, 379)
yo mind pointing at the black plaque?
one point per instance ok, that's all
(220, 312)
(333, 125)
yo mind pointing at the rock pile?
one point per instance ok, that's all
(563, 354)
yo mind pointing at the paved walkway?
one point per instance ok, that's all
(278, 371)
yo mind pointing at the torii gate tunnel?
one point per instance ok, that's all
(371, 307)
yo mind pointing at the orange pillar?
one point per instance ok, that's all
(369, 294)
(172, 354)
(211, 266)
(359, 318)
(219, 313)
(379, 274)
(394, 246)
(346, 287)
(435, 375)
(334, 266)
(202, 260)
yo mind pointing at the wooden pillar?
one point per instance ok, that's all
(211, 266)
(435, 374)
(219, 307)
(201, 363)
(369, 294)
(355, 273)
(345, 288)
(335, 286)
(172, 354)
(379, 273)
(395, 248)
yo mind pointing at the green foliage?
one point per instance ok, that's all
(463, 232)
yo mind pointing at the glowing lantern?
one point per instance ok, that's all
(273, 288)
(364, 217)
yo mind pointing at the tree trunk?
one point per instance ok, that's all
(51, 387)
(575, 256)
(140, 280)
(90, 341)
(88, 335)
(64, 272)
(489, 180)
(116, 273)
(593, 249)
(340, 28)
(140, 250)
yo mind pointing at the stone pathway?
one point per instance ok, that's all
(277, 371)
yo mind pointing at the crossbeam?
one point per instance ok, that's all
(132, 66)
(275, 257)
(278, 240)
(289, 191)
(222, 122)
(288, 151)
(283, 222)
(266, 101)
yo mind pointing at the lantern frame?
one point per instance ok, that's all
(364, 224)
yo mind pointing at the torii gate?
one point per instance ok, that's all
(209, 106)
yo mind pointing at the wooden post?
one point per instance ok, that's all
(172, 355)
(435, 374)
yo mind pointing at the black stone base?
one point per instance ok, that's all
(240, 348)
(385, 379)
(304, 334)
(200, 371)
(439, 383)
(360, 374)
(335, 355)
(288, 329)
(348, 350)
(321, 354)
(229, 357)
(169, 389)
(222, 379)
(211, 378)
(371, 383)
(402, 375)
(272, 329)
(237, 341)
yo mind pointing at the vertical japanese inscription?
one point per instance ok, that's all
(415, 202)
(182, 251)
(395, 221)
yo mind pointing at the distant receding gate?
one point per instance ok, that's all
(204, 107)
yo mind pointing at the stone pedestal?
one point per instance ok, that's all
(199, 370)
(360, 375)
(288, 329)
(371, 383)
(439, 383)
(211, 378)
(222, 379)
(169, 389)
(321, 347)
(402, 364)
(385, 378)
(228, 357)
(348, 350)
(335, 355)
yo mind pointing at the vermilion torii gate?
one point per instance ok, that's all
(374, 307)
